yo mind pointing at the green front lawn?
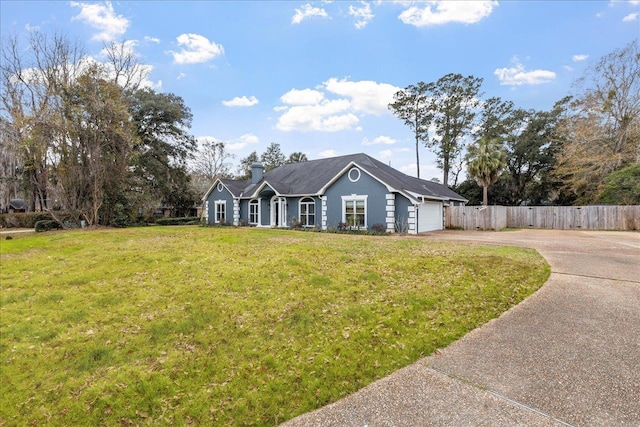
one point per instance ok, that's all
(178, 325)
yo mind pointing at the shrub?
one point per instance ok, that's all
(121, 216)
(622, 187)
(187, 220)
(23, 219)
(46, 225)
(379, 228)
(401, 226)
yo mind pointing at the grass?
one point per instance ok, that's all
(226, 326)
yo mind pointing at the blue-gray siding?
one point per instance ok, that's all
(219, 195)
(374, 190)
(365, 186)
(402, 211)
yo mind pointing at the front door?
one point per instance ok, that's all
(278, 212)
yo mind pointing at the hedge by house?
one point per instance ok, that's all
(187, 220)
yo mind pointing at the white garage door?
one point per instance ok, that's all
(429, 216)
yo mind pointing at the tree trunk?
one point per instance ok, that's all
(485, 195)
(417, 157)
(445, 169)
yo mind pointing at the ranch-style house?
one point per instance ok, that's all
(355, 191)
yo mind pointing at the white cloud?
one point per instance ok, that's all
(241, 102)
(201, 140)
(409, 169)
(232, 144)
(146, 70)
(181, 76)
(310, 110)
(307, 11)
(567, 67)
(151, 39)
(380, 140)
(327, 116)
(139, 78)
(328, 153)
(302, 97)
(126, 48)
(242, 141)
(142, 72)
(103, 18)
(362, 14)
(518, 76)
(341, 122)
(579, 57)
(385, 154)
(195, 49)
(444, 12)
(366, 96)
(630, 17)
(249, 138)
(427, 171)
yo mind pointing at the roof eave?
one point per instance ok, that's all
(259, 188)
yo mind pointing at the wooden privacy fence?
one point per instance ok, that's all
(552, 217)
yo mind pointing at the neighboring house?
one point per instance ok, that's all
(17, 205)
(356, 191)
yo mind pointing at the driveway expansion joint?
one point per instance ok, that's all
(500, 396)
(587, 276)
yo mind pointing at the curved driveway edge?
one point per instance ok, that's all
(567, 355)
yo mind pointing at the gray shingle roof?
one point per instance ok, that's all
(235, 186)
(17, 204)
(311, 176)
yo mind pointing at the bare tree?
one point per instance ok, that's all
(11, 166)
(123, 66)
(602, 127)
(211, 161)
(31, 80)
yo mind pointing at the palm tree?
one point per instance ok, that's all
(485, 161)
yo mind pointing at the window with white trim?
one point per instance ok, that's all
(307, 212)
(354, 211)
(254, 212)
(354, 174)
(221, 211)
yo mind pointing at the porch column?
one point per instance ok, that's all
(236, 212)
(391, 212)
(324, 212)
(411, 220)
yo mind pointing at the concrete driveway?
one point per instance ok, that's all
(567, 355)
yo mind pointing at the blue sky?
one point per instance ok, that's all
(317, 76)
